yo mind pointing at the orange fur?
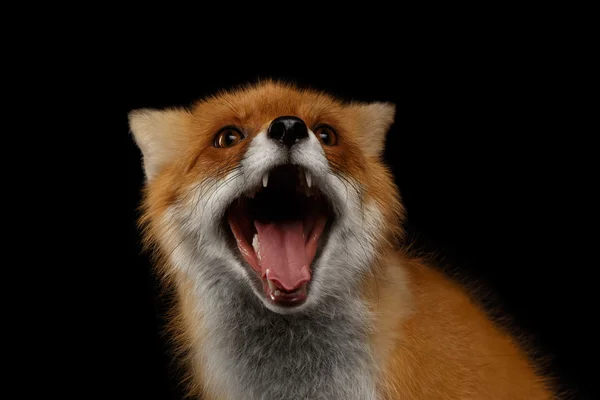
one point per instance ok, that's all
(445, 347)
(430, 340)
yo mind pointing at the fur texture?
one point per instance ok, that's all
(376, 324)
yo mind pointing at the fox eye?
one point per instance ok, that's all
(228, 137)
(326, 135)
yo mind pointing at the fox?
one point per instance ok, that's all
(269, 209)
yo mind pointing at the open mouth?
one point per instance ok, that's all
(278, 228)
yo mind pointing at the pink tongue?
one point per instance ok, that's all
(282, 249)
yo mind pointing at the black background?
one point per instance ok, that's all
(487, 158)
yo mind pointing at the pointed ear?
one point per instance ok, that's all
(159, 134)
(374, 120)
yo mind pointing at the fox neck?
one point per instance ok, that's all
(241, 349)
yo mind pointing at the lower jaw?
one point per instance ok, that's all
(284, 298)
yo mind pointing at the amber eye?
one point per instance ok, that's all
(326, 135)
(228, 137)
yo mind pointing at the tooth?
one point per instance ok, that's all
(270, 283)
(265, 179)
(308, 178)
(277, 293)
(255, 244)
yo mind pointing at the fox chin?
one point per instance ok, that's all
(269, 209)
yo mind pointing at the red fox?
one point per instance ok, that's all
(269, 209)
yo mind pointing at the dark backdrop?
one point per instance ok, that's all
(485, 157)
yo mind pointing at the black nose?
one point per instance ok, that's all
(287, 130)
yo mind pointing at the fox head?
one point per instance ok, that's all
(269, 191)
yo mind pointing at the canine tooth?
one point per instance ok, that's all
(308, 178)
(265, 179)
(277, 293)
(255, 245)
(270, 283)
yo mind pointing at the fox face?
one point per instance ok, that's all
(269, 189)
(267, 206)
